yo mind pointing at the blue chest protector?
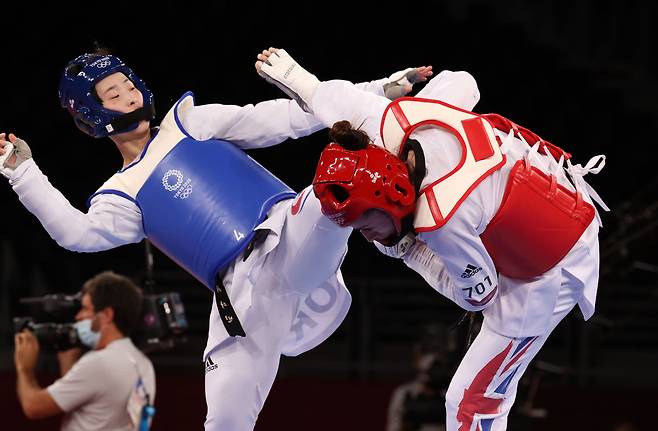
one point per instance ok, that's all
(202, 202)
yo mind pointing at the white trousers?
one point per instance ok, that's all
(483, 389)
(484, 386)
(240, 371)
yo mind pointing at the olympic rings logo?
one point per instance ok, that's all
(183, 189)
(103, 64)
(186, 192)
(172, 173)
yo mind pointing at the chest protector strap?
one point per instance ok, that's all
(480, 155)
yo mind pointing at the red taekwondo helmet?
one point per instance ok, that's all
(348, 183)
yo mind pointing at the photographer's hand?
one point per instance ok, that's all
(27, 351)
(36, 402)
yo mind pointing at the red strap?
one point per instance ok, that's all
(478, 139)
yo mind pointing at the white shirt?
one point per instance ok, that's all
(95, 392)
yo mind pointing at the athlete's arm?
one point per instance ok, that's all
(272, 122)
(261, 125)
(456, 88)
(465, 261)
(251, 126)
(418, 256)
(337, 100)
(429, 265)
(110, 222)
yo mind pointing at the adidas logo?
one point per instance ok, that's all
(470, 271)
(210, 365)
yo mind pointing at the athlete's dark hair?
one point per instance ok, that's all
(347, 137)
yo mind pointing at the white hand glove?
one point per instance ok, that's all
(399, 250)
(16, 151)
(280, 69)
(401, 83)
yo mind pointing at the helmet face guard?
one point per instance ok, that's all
(348, 183)
(77, 95)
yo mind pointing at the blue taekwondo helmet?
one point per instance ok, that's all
(77, 94)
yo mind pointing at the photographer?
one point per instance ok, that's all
(418, 405)
(107, 387)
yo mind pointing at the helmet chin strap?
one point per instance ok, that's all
(123, 122)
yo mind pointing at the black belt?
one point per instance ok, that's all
(227, 314)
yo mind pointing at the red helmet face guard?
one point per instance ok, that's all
(348, 183)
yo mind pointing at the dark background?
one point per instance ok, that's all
(581, 74)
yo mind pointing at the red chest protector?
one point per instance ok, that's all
(538, 221)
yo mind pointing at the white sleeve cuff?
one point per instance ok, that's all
(24, 167)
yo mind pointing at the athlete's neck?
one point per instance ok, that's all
(131, 144)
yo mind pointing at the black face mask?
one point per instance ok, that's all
(146, 112)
